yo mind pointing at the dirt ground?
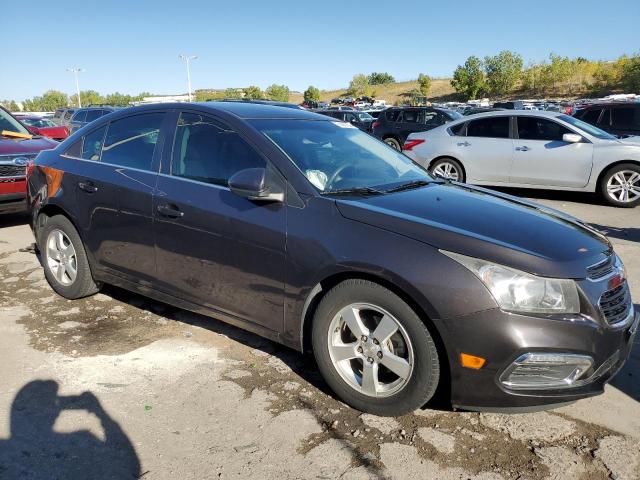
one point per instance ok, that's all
(119, 386)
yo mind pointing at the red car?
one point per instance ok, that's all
(43, 126)
(17, 149)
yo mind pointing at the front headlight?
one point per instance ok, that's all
(517, 291)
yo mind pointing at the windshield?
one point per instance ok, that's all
(587, 127)
(453, 114)
(38, 122)
(7, 122)
(338, 156)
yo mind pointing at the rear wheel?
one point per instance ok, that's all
(393, 143)
(448, 168)
(65, 263)
(373, 350)
(620, 186)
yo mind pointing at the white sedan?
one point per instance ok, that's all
(530, 149)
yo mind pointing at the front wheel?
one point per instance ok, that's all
(65, 263)
(620, 186)
(373, 350)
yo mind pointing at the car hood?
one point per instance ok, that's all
(9, 146)
(484, 224)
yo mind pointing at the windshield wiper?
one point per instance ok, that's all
(409, 186)
(354, 191)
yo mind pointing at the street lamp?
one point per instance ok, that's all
(76, 71)
(187, 59)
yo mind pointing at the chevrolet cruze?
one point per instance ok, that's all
(314, 234)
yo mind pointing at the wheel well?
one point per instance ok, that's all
(464, 171)
(49, 211)
(613, 165)
(444, 390)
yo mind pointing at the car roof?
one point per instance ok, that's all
(503, 113)
(243, 110)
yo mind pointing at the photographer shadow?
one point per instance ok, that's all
(35, 451)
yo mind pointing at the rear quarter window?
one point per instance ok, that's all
(458, 130)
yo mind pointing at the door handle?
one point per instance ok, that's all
(170, 211)
(463, 144)
(88, 187)
(523, 149)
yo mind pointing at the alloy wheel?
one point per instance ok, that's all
(61, 257)
(624, 186)
(370, 349)
(447, 170)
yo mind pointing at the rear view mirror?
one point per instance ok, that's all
(571, 138)
(251, 183)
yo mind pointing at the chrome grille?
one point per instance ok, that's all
(615, 304)
(12, 170)
(602, 269)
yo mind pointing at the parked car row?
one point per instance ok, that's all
(618, 118)
(307, 231)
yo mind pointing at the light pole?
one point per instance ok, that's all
(187, 59)
(76, 71)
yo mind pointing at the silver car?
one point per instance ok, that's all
(531, 149)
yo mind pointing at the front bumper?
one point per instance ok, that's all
(13, 202)
(502, 337)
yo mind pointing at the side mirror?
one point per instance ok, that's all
(571, 138)
(251, 183)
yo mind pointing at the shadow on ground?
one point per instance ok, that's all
(36, 451)
(13, 219)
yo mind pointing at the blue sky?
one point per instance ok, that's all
(133, 46)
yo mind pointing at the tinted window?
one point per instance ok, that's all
(79, 116)
(458, 129)
(392, 115)
(411, 116)
(534, 128)
(591, 115)
(92, 144)
(495, 127)
(209, 151)
(625, 117)
(68, 114)
(75, 150)
(93, 115)
(587, 127)
(349, 117)
(130, 141)
(433, 118)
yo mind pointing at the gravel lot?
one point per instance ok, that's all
(119, 386)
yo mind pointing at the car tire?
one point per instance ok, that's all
(64, 259)
(448, 167)
(393, 143)
(612, 185)
(414, 358)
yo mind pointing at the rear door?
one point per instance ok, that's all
(541, 157)
(121, 169)
(486, 151)
(625, 120)
(213, 247)
(411, 121)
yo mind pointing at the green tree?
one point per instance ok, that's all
(630, 77)
(234, 93)
(278, 93)
(10, 105)
(359, 85)
(503, 72)
(88, 97)
(380, 78)
(208, 95)
(468, 79)
(424, 84)
(48, 102)
(252, 92)
(311, 94)
(118, 99)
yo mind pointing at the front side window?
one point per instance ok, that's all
(493, 127)
(92, 144)
(209, 151)
(625, 117)
(591, 115)
(130, 141)
(76, 116)
(335, 155)
(534, 128)
(93, 115)
(392, 115)
(587, 127)
(9, 123)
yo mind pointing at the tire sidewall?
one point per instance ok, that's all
(426, 369)
(605, 179)
(393, 143)
(452, 161)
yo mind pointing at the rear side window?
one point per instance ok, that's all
(411, 116)
(130, 141)
(68, 114)
(494, 127)
(534, 128)
(209, 151)
(79, 116)
(625, 117)
(93, 115)
(458, 129)
(433, 119)
(392, 115)
(591, 115)
(92, 144)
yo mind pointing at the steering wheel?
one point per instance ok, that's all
(335, 174)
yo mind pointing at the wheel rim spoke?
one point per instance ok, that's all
(370, 382)
(385, 329)
(344, 352)
(396, 364)
(351, 317)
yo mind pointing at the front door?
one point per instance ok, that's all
(541, 157)
(213, 247)
(116, 188)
